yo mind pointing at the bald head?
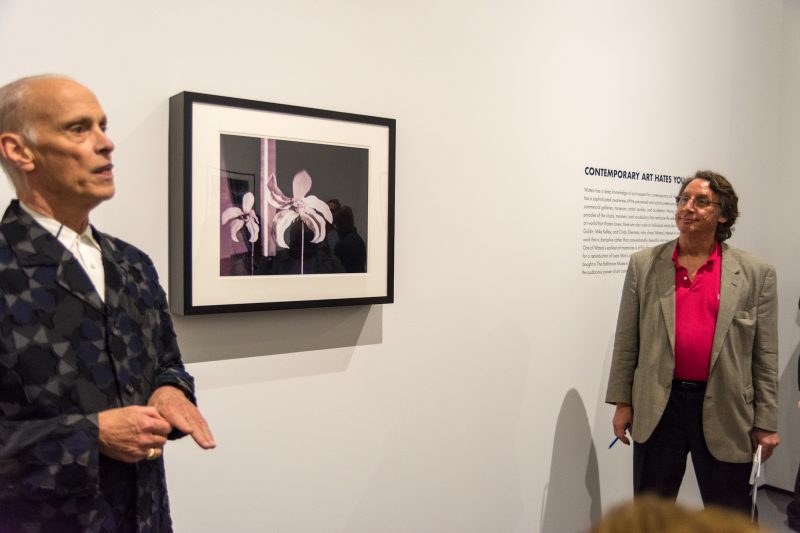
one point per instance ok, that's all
(54, 145)
(15, 110)
(14, 102)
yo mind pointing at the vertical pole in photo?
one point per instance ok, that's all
(302, 245)
(268, 168)
(225, 202)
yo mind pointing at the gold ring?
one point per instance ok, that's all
(151, 454)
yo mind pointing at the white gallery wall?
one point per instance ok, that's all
(475, 402)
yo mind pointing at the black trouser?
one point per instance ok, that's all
(659, 463)
(793, 509)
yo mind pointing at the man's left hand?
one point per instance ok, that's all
(767, 439)
(182, 414)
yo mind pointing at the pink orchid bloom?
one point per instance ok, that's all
(244, 216)
(312, 211)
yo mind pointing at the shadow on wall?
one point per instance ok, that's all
(572, 498)
(238, 335)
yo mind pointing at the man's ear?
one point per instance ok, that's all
(14, 149)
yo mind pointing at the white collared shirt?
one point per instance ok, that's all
(82, 245)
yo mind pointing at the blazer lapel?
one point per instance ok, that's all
(34, 246)
(730, 288)
(665, 281)
(116, 268)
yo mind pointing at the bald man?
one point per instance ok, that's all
(91, 380)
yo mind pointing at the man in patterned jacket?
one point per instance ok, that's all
(91, 379)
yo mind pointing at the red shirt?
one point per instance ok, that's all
(696, 307)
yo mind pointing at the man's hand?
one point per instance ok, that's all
(767, 439)
(623, 419)
(184, 416)
(129, 433)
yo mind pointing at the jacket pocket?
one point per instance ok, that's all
(746, 317)
(749, 394)
(743, 329)
(32, 382)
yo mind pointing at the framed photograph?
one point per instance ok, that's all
(275, 206)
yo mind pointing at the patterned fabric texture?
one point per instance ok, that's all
(65, 356)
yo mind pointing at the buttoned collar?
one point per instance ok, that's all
(715, 255)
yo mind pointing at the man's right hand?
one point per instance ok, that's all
(623, 419)
(129, 433)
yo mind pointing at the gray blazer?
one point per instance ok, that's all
(742, 390)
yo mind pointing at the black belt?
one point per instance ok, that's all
(688, 384)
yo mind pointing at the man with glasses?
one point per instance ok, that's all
(695, 362)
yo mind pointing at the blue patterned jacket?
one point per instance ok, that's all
(65, 355)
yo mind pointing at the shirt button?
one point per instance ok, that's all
(129, 389)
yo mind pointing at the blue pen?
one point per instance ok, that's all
(613, 442)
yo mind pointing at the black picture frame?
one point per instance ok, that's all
(250, 223)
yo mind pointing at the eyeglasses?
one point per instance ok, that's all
(700, 202)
